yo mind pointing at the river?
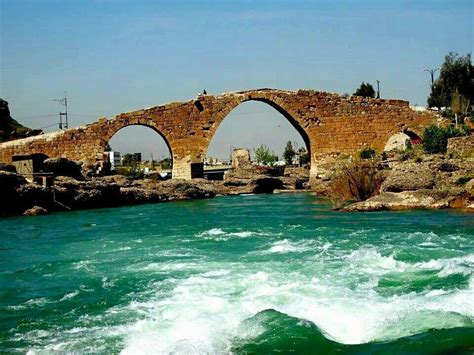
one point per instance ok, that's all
(245, 274)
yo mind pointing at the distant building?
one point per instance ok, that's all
(115, 159)
(418, 108)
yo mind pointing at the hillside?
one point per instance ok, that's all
(10, 129)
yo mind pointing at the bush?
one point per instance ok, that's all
(357, 181)
(405, 154)
(367, 153)
(435, 139)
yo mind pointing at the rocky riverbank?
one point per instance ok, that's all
(72, 189)
(433, 182)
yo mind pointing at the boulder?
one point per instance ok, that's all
(188, 189)
(10, 202)
(135, 195)
(448, 166)
(400, 201)
(64, 167)
(35, 211)
(7, 167)
(295, 178)
(10, 180)
(409, 177)
(397, 141)
(470, 187)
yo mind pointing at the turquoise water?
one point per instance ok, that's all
(245, 274)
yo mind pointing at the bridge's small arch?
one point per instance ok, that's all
(414, 137)
(255, 107)
(143, 139)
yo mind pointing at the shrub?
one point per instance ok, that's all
(418, 159)
(459, 131)
(405, 154)
(435, 139)
(357, 181)
(367, 153)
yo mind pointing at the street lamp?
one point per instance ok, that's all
(432, 72)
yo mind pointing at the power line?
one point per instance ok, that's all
(51, 125)
(35, 116)
(63, 101)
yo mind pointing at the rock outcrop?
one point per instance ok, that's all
(255, 179)
(433, 183)
(35, 211)
(409, 177)
(72, 190)
(64, 167)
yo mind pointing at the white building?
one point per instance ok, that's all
(115, 159)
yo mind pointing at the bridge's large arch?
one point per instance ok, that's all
(289, 114)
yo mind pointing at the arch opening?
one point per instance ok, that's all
(414, 138)
(254, 123)
(138, 150)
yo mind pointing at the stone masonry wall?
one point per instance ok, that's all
(329, 124)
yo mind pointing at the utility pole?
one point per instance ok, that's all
(432, 72)
(378, 89)
(63, 101)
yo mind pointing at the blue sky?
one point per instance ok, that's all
(115, 56)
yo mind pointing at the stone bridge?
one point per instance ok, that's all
(330, 124)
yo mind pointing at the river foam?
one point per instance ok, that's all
(203, 313)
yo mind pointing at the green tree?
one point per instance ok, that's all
(456, 74)
(366, 90)
(304, 158)
(128, 160)
(459, 104)
(165, 163)
(289, 153)
(265, 156)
